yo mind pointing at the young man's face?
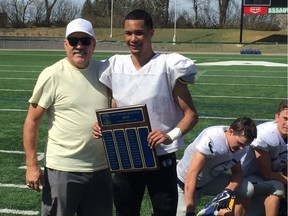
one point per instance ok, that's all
(236, 142)
(282, 122)
(138, 36)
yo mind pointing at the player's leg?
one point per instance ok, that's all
(272, 201)
(283, 206)
(128, 191)
(225, 212)
(162, 186)
(243, 194)
(271, 204)
(97, 199)
(241, 206)
(272, 189)
(181, 207)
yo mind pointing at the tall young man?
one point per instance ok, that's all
(159, 81)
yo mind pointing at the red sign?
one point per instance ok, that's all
(255, 10)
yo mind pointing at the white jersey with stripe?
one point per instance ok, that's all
(212, 143)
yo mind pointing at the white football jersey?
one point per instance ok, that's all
(212, 143)
(268, 139)
(151, 85)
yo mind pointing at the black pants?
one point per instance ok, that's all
(129, 188)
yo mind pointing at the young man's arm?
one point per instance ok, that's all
(237, 177)
(183, 98)
(263, 161)
(196, 166)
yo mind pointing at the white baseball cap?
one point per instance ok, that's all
(80, 25)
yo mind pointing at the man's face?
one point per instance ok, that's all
(236, 142)
(80, 51)
(282, 122)
(137, 36)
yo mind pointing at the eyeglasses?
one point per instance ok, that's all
(73, 41)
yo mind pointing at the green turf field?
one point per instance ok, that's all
(227, 87)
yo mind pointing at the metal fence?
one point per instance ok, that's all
(57, 44)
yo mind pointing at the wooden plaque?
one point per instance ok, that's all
(124, 134)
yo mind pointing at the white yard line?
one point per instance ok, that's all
(16, 90)
(25, 167)
(244, 77)
(21, 66)
(239, 84)
(245, 71)
(11, 78)
(239, 97)
(20, 152)
(12, 152)
(243, 63)
(14, 186)
(230, 118)
(13, 110)
(19, 71)
(18, 212)
(21, 186)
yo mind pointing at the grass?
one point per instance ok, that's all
(221, 94)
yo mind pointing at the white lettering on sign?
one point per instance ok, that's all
(277, 10)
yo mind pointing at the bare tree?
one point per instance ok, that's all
(101, 13)
(223, 7)
(267, 22)
(49, 8)
(165, 11)
(203, 13)
(233, 14)
(195, 6)
(195, 9)
(283, 21)
(18, 12)
(159, 10)
(210, 15)
(4, 8)
(37, 13)
(64, 12)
